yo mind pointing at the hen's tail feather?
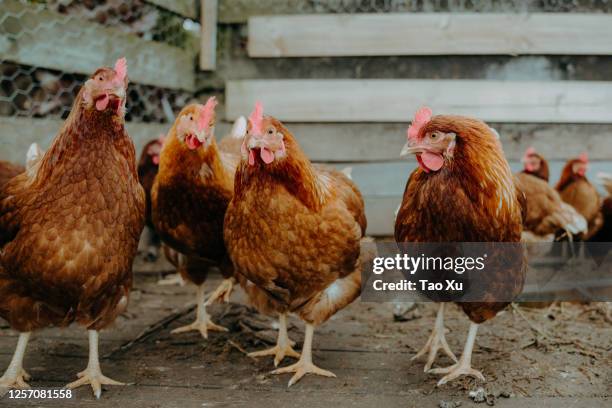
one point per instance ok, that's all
(348, 172)
(342, 292)
(606, 180)
(239, 128)
(575, 223)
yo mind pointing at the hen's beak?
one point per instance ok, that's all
(256, 143)
(408, 150)
(202, 135)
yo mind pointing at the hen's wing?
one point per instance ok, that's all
(9, 170)
(546, 213)
(345, 190)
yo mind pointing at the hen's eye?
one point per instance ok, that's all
(270, 132)
(433, 135)
(191, 118)
(99, 78)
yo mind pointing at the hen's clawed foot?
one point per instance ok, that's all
(455, 371)
(301, 368)
(436, 341)
(17, 381)
(222, 293)
(95, 378)
(464, 365)
(203, 326)
(279, 352)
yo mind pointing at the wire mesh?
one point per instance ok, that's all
(484, 6)
(30, 87)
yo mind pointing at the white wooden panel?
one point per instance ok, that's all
(43, 38)
(430, 34)
(369, 142)
(389, 179)
(380, 212)
(18, 133)
(208, 37)
(382, 185)
(396, 100)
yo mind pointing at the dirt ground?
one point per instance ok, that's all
(531, 358)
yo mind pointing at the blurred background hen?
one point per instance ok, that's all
(69, 228)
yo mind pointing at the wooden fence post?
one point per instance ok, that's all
(208, 39)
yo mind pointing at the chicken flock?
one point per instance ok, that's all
(253, 206)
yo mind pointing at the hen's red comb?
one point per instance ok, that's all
(206, 115)
(421, 117)
(256, 119)
(120, 69)
(530, 151)
(584, 157)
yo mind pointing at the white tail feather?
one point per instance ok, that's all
(348, 172)
(606, 180)
(239, 128)
(576, 223)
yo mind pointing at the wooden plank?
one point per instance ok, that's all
(239, 11)
(389, 179)
(18, 133)
(185, 8)
(208, 37)
(382, 185)
(429, 34)
(396, 100)
(42, 38)
(368, 142)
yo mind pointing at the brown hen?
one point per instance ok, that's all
(575, 189)
(462, 191)
(69, 227)
(189, 197)
(293, 231)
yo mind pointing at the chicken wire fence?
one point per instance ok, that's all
(32, 83)
(509, 6)
(30, 87)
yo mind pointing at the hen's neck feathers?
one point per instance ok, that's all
(568, 176)
(294, 172)
(86, 130)
(196, 166)
(480, 166)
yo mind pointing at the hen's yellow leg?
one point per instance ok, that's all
(222, 292)
(436, 341)
(92, 375)
(464, 365)
(15, 376)
(283, 344)
(202, 322)
(304, 365)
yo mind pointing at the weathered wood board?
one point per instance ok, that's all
(387, 34)
(185, 8)
(16, 135)
(208, 35)
(396, 100)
